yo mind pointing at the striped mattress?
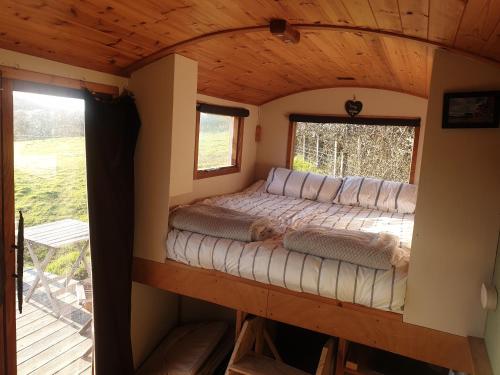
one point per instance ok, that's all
(270, 263)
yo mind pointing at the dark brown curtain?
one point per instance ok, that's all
(111, 128)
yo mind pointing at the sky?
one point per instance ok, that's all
(50, 101)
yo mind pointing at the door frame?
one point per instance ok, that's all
(12, 78)
(7, 227)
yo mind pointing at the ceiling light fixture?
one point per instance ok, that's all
(283, 30)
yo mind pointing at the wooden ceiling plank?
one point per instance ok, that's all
(14, 44)
(237, 57)
(57, 25)
(492, 47)
(382, 72)
(86, 17)
(428, 66)
(387, 15)
(361, 13)
(333, 12)
(283, 69)
(478, 24)
(444, 19)
(414, 17)
(57, 41)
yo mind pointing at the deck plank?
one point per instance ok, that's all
(40, 362)
(41, 345)
(37, 313)
(66, 357)
(47, 344)
(80, 366)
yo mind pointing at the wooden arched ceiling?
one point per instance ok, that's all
(380, 43)
(259, 67)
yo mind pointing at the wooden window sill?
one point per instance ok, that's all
(198, 175)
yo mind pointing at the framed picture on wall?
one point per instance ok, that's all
(471, 109)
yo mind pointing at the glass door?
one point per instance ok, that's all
(54, 327)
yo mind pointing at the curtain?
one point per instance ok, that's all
(111, 129)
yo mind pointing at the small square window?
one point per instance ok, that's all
(218, 145)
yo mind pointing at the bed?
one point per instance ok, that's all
(341, 299)
(337, 203)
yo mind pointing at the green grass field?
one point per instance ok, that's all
(214, 150)
(50, 185)
(50, 180)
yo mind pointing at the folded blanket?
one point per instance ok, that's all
(374, 250)
(222, 222)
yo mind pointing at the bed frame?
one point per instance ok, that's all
(363, 325)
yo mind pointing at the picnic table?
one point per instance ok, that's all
(54, 236)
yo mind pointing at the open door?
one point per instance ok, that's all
(47, 290)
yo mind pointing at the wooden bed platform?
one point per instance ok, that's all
(363, 325)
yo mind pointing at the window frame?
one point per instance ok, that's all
(365, 120)
(237, 149)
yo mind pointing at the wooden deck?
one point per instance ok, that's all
(47, 344)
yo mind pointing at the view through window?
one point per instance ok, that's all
(218, 144)
(54, 332)
(354, 150)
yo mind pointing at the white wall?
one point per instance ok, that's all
(272, 149)
(457, 214)
(183, 125)
(165, 93)
(492, 336)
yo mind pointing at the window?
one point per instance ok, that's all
(360, 146)
(218, 145)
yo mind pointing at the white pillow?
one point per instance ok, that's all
(296, 184)
(380, 194)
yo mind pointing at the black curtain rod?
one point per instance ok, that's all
(384, 121)
(222, 110)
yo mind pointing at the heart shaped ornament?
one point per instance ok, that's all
(353, 107)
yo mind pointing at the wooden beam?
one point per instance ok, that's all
(203, 284)
(362, 327)
(372, 327)
(480, 359)
(54, 80)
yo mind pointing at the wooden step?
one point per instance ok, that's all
(254, 364)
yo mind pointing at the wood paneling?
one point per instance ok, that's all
(266, 68)
(364, 325)
(232, 292)
(230, 40)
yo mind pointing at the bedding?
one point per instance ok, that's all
(269, 262)
(296, 212)
(296, 184)
(375, 250)
(297, 200)
(383, 195)
(223, 222)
